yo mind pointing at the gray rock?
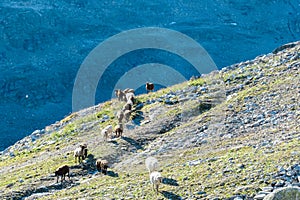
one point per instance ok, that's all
(284, 193)
(267, 189)
(260, 196)
(280, 184)
(238, 198)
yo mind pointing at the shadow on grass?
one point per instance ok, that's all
(170, 195)
(170, 181)
(132, 142)
(112, 174)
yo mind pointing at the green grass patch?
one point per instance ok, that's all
(197, 82)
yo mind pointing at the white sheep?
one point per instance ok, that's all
(155, 179)
(107, 131)
(128, 90)
(151, 164)
(130, 97)
(79, 152)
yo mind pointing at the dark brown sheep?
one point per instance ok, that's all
(119, 130)
(85, 153)
(102, 166)
(62, 171)
(149, 86)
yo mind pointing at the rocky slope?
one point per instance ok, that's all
(43, 44)
(231, 134)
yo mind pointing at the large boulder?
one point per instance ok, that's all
(288, 193)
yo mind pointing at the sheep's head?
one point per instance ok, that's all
(160, 179)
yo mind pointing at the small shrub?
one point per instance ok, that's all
(197, 82)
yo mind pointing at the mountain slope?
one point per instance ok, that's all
(43, 44)
(223, 135)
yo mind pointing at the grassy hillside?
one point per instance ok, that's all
(221, 136)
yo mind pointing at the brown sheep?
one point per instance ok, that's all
(149, 86)
(120, 94)
(62, 171)
(127, 114)
(85, 153)
(119, 130)
(120, 116)
(102, 166)
(85, 150)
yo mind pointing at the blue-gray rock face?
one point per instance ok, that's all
(43, 44)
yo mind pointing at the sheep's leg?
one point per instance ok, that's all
(156, 188)
(57, 179)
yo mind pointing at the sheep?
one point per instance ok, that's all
(130, 102)
(85, 150)
(120, 116)
(102, 166)
(151, 164)
(127, 106)
(120, 94)
(119, 130)
(106, 131)
(128, 90)
(80, 152)
(127, 114)
(149, 86)
(130, 97)
(85, 153)
(155, 179)
(62, 171)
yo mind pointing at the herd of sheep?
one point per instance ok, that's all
(81, 152)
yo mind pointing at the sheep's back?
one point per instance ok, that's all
(151, 164)
(108, 128)
(62, 170)
(78, 151)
